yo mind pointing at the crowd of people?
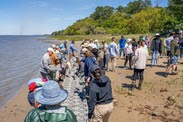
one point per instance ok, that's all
(94, 59)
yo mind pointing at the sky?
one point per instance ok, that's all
(35, 17)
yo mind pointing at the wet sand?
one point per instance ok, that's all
(161, 99)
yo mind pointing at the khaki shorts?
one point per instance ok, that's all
(102, 112)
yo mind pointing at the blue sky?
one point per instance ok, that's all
(24, 17)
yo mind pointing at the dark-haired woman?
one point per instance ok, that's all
(100, 101)
(140, 58)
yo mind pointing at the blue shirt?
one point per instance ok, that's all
(113, 49)
(168, 42)
(72, 48)
(122, 43)
(89, 62)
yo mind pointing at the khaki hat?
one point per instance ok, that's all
(54, 46)
(84, 45)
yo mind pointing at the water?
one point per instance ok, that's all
(20, 58)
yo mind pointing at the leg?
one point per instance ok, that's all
(110, 109)
(120, 51)
(114, 63)
(126, 61)
(141, 73)
(152, 60)
(104, 60)
(107, 62)
(45, 76)
(135, 75)
(156, 58)
(130, 61)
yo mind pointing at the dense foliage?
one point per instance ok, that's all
(138, 17)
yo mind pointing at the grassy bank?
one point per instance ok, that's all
(103, 37)
(99, 37)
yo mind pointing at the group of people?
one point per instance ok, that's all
(94, 60)
(46, 94)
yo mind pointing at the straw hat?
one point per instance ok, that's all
(84, 45)
(129, 40)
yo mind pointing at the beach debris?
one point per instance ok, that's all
(163, 90)
(171, 100)
(154, 114)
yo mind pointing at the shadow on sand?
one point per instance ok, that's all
(160, 74)
(126, 85)
(130, 77)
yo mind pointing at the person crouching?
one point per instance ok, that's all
(100, 102)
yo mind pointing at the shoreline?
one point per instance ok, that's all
(149, 104)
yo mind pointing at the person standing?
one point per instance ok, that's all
(122, 43)
(181, 43)
(134, 45)
(167, 46)
(50, 97)
(46, 68)
(128, 53)
(100, 103)
(106, 55)
(156, 48)
(113, 52)
(175, 52)
(72, 50)
(148, 42)
(140, 58)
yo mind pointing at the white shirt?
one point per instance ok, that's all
(141, 55)
(128, 49)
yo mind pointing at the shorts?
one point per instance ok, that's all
(174, 59)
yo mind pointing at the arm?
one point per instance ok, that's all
(160, 46)
(116, 49)
(91, 103)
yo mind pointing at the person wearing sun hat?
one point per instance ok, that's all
(128, 53)
(50, 97)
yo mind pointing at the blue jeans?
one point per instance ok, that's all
(181, 52)
(154, 60)
(121, 51)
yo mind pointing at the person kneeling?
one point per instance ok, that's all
(50, 97)
(100, 101)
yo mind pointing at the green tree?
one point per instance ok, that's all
(102, 13)
(120, 9)
(137, 6)
(175, 7)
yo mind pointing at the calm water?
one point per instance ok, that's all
(20, 58)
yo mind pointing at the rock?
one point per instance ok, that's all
(148, 107)
(154, 114)
(163, 90)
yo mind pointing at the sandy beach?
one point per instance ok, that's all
(160, 100)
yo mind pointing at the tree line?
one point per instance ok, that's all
(137, 17)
